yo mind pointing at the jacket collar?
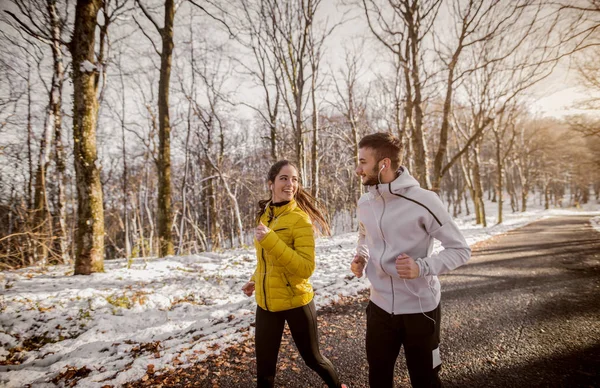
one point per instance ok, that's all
(398, 185)
(277, 211)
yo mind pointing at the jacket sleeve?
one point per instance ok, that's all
(456, 251)
(298, 260)
(361, 247)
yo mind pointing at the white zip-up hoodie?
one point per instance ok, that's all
(401, 217)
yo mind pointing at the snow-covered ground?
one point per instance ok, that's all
(166, 312)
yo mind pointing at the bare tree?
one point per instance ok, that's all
(504, 130)
(165, 211)
(90, 225)
(266, 72)
(588, 71)
(289, 30)
(477, 22)
(43, 21)
(402, 27)
(121, 117)
(351, 102)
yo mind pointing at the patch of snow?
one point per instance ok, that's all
(87, 67)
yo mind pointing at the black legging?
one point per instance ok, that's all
(302, 322)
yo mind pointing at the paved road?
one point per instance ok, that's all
(525, 311)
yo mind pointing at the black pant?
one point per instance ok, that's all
(302, 322)
(386, 333)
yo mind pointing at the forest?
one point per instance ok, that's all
(144, 128)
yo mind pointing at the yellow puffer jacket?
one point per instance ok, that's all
(286, 259)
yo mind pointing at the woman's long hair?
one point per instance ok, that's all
(309, 204)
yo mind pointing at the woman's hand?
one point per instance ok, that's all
(248, 288)
(261, 231)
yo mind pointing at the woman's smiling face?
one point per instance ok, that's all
(285, 186)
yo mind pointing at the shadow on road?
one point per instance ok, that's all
(577, 369)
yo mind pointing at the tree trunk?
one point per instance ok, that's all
(401, 121)
(299, 138)
(418, 136)
(524, 195)
(524, 177)
(409, 125)
(510, 187)
(273, 130)
(315, 140)
(165, 211)
(125, 171)
(184, 180)
(89, 256)
(357, 187)
(273, 127)
(546, 194)
(443, 144)
(60, 233)
(236, 210)
(480, 208)
(151, 245)
(499, 177)
(42, 220)
(466, 167)
(212, 216)
(30, 198)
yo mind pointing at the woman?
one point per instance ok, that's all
(285, 249)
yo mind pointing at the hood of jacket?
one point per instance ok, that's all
(403, 182)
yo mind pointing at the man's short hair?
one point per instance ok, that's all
(385, 145)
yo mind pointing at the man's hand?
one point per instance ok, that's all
(261, 231)
(248, 288)
(358, 265)
(406, 267)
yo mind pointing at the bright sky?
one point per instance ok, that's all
(560, 102)
(559, 95)
(556, 96)
(168, 312)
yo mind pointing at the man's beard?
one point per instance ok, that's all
(372, 178)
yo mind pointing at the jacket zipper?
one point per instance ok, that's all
(262, 256)
(265, 261)
(384, 249)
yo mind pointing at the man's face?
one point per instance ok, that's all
(368, 168)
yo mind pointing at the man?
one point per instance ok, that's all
(398, 222)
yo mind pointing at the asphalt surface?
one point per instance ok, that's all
(523, 312)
